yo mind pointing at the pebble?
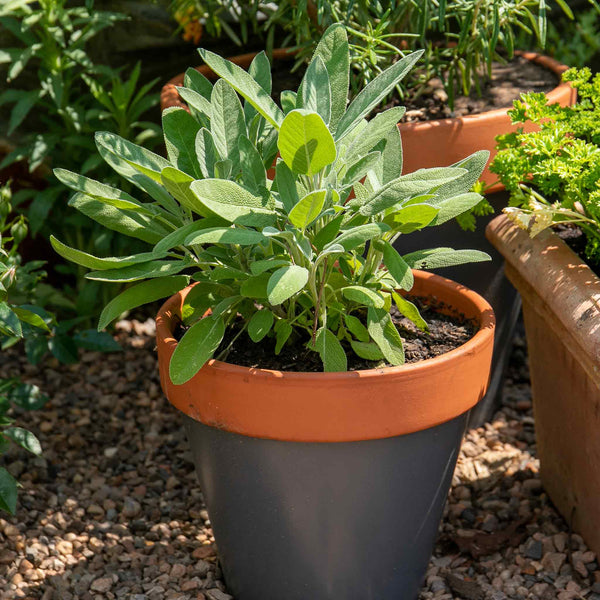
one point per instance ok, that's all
(122, 517)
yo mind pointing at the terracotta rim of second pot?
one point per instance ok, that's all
(555, 282)
(338, 407)
(169, 96)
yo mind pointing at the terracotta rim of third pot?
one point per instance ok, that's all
(338, 407)
(169, 96)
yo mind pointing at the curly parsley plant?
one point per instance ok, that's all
(302, 252)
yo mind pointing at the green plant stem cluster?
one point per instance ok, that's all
(461, 38)
(298, 247)
(552, 173)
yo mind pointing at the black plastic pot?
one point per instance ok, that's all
(325, 521)
(487, 279)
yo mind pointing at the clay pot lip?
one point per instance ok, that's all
(573, 295)
(481, 310)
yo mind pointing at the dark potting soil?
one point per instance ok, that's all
(446, 332)
(507, 83)
(576, 239)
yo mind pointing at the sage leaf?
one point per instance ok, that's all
(285, 282)
(260, 324)
(437, 258)
(330, 350)
(363, 296)
(307, 209)
(195, 348)
(397, 267)
(386, 336)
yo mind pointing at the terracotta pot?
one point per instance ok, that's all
(306, 475)
(442, 142)
(435, 143)
(561, 307)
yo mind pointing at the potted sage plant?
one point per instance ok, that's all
(320, 450)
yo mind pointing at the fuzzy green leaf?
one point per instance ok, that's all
(331, 351)
(307, 209)
(260, 324)
(285, 282)
(386, 336)
(363, 296)
(437, 258)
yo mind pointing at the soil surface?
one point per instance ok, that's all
(445, 333)
(508, 82)
(113, 509)
(576, 239)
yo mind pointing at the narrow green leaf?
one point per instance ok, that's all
(9, 322)
(285, 282)
(455, 206)
(374, 92)
(29, 317)
(8, 492)
(286, 186)
(386, 336)
(195, 348)
(147, 270)
(98, 341)
(315, 90)
(283, 330)
(24, 438)
(180, 130)
(245, 85)
(260, 324)
(307, 209)
(261, 266)
(437, 258)
(225, 235)
(363, 296)
(195, 81)
(367, 350)
(357, 236)
(412, 217)
(254, 174)
(331, 351)
(356, 328)
(139, 294)
(397, 267)
(410, 311)
(256, 286)
(206, 153)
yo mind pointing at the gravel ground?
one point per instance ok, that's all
(114, 510)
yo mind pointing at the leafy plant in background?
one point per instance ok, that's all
(576, 42)
(461, 38)
(74, 98)
(305, 257)
(552, 174)
(19, 396)
(20, 286)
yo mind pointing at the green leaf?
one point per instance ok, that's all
(376, 130)
(98, 341)
(93, 262)
(260, 324)
(206, 153)
(397, 267)
(410, 311)
(197, 346)
(227, 123)
(245, 85)
(8, 492)
(180, 130)
(307, 209)
(328, 233)
(374, 92)
(24, 438)
(256, 287)
(305, 143)
(386, 336)
(286, 186)
(261, 266)
(363, 296)
(283, 330)
(63, 348)
(253, 170)
(9, 322)
(315, 90)
(35, 349)
(367, 350)
(21, 109)
(391, 157)
(455, 206)
(436, 258)
(285, 282)
(357, 236)
(234, 203)
(126, 222)
(29, 317)
(356, 328)
(197, 103)
(195, 81)
(178, 184)
(226, 235)
(147, 270)
(411, 217)
(361, 167)
(28, 396)
(331, 351)
(178, 237)
(334, 52)
(260, 70)
(406, 186)
(99, 191)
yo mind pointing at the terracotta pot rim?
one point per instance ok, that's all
(168, 313)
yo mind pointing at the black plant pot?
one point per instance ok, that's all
(487, 279)
(325, 521)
